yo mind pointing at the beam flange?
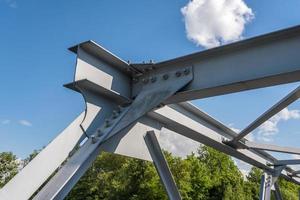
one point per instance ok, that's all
(271, 147)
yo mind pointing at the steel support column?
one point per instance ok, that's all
(265, 187)
(161, 166)
(277, 192)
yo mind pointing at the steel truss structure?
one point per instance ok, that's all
(128, 104)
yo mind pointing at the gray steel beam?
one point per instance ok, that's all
(277, 192)
(287, 100)
(262, 61)
(288, 162)
(192, 123)
(265, 187)
(262, 188)
(161, 166)
(271, 147)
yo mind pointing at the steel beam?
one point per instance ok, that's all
(288, 162)
(262, 61)
(265, 187)
(161, 166)
(32, 176)
(278, 195)
(287, 100)
(271, 147)
(67, 176)
(189, 121)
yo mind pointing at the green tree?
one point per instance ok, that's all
(8, 167)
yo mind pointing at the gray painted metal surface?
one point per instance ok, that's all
(271, 147)
(278, 195)
(161, 166)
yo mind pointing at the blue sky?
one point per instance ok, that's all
(35, 62)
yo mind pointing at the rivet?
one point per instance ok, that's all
(115, 114)
(107, 124)
(186, 71)
(165, 76)
(135, 80)
(153, 79)
(145, 80)
(99, 132)
(94, 139)
(178, 74)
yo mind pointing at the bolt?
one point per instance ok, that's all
(94, 139)
(165, 76)
(178, 74)
(186, 71)
(107, 124)
(145, 80)
(135, 80)
(153, 79)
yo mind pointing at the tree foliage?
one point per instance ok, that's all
(207, 175)
(8, 167)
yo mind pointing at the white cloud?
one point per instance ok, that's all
(270, 127)
(25, 122)
(177, 144)
(210, 23)
(6, 121)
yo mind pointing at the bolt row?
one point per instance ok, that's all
(108, 122)
(153, 79)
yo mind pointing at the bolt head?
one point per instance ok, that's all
(178, 74)
(145, 80)
(135, 80)
(165, 76)
(186, 71)
(153, 79)
(115, 114)
(94, 139)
